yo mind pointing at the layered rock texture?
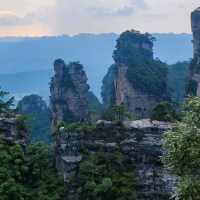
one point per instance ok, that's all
(138, 141)
(69, 91)
(13, 129)
(34, 107)
(136, 79)
(194, 84)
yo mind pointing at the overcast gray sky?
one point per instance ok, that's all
(55, 17)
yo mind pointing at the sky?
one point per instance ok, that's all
(58, 17)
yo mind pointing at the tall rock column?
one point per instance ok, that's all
(69, 91)
(136, 79)
(194, 83)
(195, 20)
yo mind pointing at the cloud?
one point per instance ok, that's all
(72, 17)
(76, 16)
(11, 19)
(117, 8)
(125, 11)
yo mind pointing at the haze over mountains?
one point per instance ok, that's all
(26, 63)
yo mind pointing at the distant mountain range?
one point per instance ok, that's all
(26, 63)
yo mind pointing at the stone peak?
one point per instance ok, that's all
(59, 62)
(197, 9)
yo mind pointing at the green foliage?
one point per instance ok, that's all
(194, 68)
(192, 87)
(23, 123)
(164, 111)
(189, 188)
(5, 105)
(107, 90)
(129, 42)
(148, 75)
(37, 117)
(28, 175)
(134, 50)
(93, 102)
(67, 80)
(95, 107)
(105, 176)
(116, 113)
(177, 81)
(182, 146)
(85, 127)
(75, 127)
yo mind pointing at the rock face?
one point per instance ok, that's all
(139, 141)
(136, 80)
(36, 108)
(195, 20)
(69, 91)
(139, 103)
(13, 129)
(194, 84)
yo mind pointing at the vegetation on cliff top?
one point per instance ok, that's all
(134, 50)
(5, 103)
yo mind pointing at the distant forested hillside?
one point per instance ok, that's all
(26, 63)
(177, 80)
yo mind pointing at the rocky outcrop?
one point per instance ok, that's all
(136, 80)
(13, 129)
(195, 21)
(138, 102)
(36, 108)
(69, 91)
(139, 141)
(194, 83)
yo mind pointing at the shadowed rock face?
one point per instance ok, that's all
(195, 65)
(69, 91)
(195, 21)
(13, 130)
(139, 103)
(139, 141)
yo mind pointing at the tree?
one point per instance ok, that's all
(117, 113)
(106, 176)
(5, 104)
(164, 111)
(28, 175)
(182, 146)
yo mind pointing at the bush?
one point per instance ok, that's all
(182, 150)
(106, 176)
(164, 111)
(117, 113)
(29, 175)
